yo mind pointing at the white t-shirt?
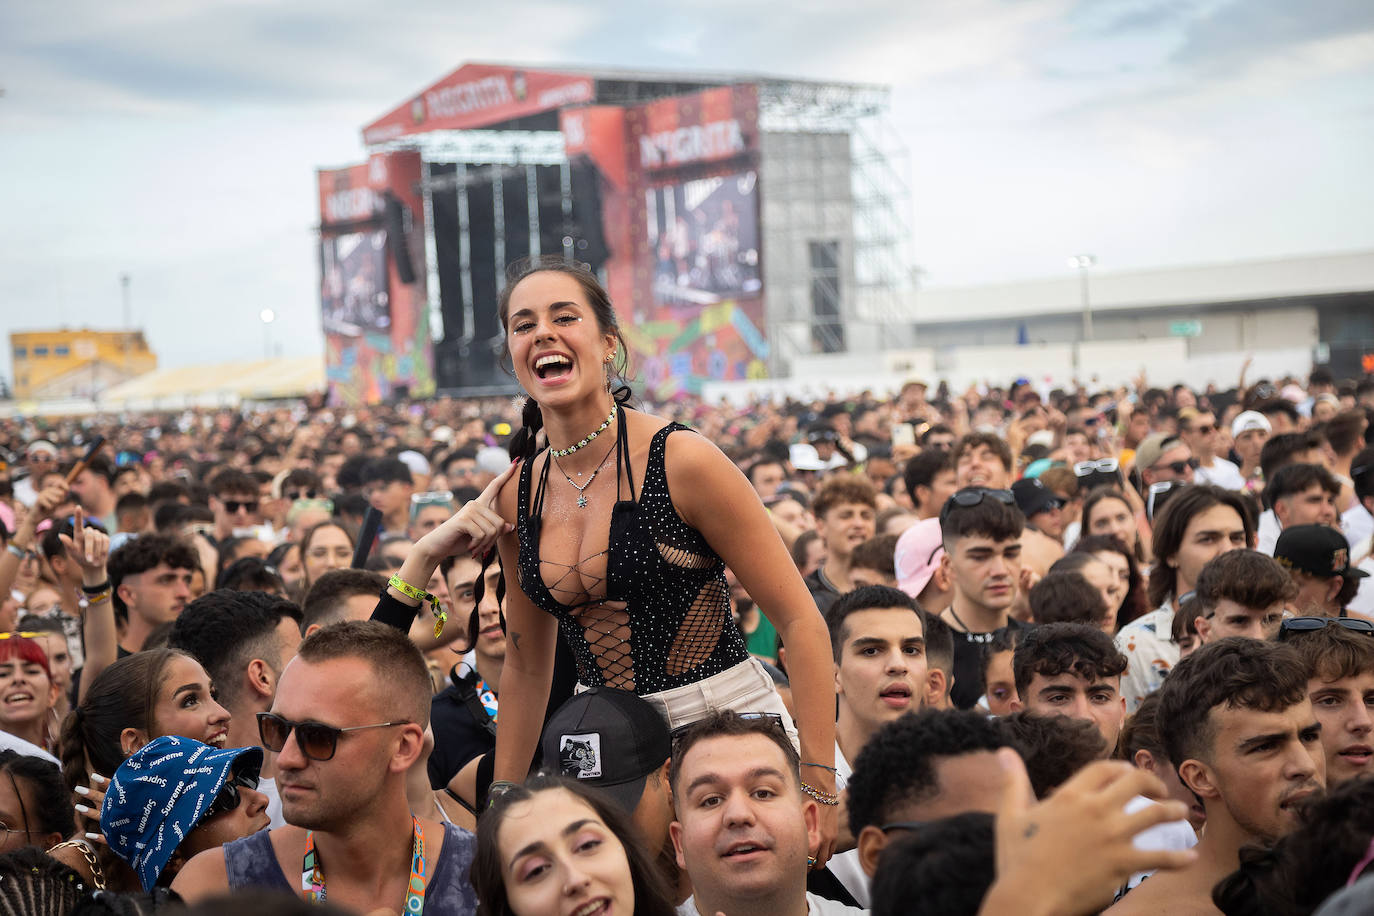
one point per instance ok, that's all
(1267, 533)
(17, 744)
(1363, 602)
(815, 906)
(847, 869)
(1168, 835)
(1358, 526)
(842, 769)
(268, 786)
(1221, 473)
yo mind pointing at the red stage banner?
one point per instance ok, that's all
(479, 95)
(376, 326)
(680, 206)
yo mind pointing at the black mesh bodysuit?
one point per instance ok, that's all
(675, 627)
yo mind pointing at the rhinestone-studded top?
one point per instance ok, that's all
(665, 620)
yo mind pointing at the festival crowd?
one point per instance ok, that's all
(1090, 650)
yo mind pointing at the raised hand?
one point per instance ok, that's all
(88, 548)
(474, 529)
(1070, 853)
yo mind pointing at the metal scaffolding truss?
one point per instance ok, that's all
(497, 147)
(878, 200)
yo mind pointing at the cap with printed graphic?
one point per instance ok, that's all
(608, 738)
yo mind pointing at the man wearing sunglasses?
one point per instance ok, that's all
(1164, 457)
(347, 724)
(981, 531)
(1339, 656)
(1198, 429)
(235, 502)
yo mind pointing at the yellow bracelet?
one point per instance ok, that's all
(420, 595)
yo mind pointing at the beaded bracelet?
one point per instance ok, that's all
(420, 595)
(830, 799)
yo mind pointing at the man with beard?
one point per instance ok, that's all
(347, 724)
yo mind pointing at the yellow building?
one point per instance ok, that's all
(79, 363)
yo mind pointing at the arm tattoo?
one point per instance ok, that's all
(515, 638)
(1031, 829)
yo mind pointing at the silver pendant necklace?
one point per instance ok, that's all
(581, 496)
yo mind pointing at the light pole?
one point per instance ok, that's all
(1084, 262)
(268, 316)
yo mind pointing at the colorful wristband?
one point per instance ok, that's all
(420, 595)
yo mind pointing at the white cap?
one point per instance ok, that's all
(804, 458)
(417, 463)
(1248, 421)
(493, 459)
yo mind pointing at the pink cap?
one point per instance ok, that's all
(918, 553)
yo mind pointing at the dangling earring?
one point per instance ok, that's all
(608, 375)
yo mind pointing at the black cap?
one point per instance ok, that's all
(1033, 497)
(610, 739)
(1318, 550)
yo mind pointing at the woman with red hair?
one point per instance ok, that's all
(26, 690)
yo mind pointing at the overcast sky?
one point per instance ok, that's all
(177, 141)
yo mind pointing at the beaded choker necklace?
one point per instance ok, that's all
(587, 440)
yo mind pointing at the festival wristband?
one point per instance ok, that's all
(819, 766)
(21, 554)
(96, 589)
(410, 591)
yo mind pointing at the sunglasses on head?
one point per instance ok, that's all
(972, 496)
(1159, 493)
(228, 798)
(1312, 624)
(1102, 465)
(233, 506)
(676, 734)
(316, 740)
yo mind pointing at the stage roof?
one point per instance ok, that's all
(484, 95)
(221, 384)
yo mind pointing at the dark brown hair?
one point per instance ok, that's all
(1247, 577)
(1065, 596)
(1235, 672)
(1134, 604)
(1171, 524)
(844, 489)
(996, 443)
(728, 723)
(522, 444)
(1052, 649)
(1332, 653)
(122, 696)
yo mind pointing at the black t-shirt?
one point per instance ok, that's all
(459, 735)
(968, 664)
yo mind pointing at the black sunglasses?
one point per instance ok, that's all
(315, 739)
(1311, 624)
(232, 506)
(969, 497)
(676, 734)
(294, 495)
(228, 798)
(1178, 467)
